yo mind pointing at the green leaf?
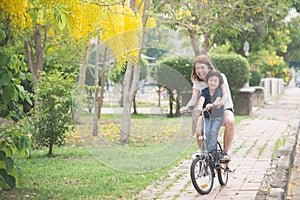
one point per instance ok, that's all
(2, 155)
(8, 179)
(2, 35)
(4, 79)
(22, 76)
(4, 59)
(25, 142)
(9, 94)
(9, 163)
(2, 164)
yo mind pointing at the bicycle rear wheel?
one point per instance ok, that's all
(202, 175)
(221, 168)
(222, 171)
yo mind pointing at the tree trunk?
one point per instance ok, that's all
(159, 95)
(82, 73)
(134, 105)
(170, 102)
(177, 105)
(102, 77)
(50, 151)
(194, 41)
(36, 63)
(126, 118)
(96, 98)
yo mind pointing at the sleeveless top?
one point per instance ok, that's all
(201, 85)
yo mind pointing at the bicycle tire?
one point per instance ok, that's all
(202, 175)
(221, 168)
(222, 171)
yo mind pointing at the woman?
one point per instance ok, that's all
(202, 65)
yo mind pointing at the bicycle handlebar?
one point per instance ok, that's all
(192, 108)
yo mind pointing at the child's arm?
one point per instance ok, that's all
(215, 103)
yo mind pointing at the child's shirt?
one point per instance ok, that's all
(213, 112)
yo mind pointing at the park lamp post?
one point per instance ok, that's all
(246, 48)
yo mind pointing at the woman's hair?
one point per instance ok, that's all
(202, 59)
(214, 72)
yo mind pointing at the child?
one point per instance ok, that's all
(213, 118)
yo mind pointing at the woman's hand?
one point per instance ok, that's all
(218, 104)
(200, 110)
(183, 109)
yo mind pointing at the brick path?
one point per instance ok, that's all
(252, 151)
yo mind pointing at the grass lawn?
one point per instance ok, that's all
(96, 167)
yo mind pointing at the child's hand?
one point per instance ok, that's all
(209, 106)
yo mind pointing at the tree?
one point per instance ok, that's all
(53, 118)
(292, 56)
(208, 21)
(132, 73)
(96, 98)
(126, 41)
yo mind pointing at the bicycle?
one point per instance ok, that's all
(205, 166)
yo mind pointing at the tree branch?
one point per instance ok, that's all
(106, 5)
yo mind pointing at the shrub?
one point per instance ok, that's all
(236, 69)
(255, 78)
(53, 115)
(175, 74)
(14, 137)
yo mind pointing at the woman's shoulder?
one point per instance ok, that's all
(201, 84)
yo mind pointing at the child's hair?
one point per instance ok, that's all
(214, 73)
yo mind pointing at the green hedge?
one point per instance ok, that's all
(174, 73)
(235, 67)
(255, 78)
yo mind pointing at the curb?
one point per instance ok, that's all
(276, 180)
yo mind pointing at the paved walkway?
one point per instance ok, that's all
(255, 143)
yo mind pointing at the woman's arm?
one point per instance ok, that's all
(193, 101)
(224, 95)
(200, 103)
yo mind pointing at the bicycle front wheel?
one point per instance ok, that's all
(222, 171)
(202, 175)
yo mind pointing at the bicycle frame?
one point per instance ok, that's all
(203, 167)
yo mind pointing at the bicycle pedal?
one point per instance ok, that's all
(224, 161)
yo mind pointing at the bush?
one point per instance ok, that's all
(53, 114)
(175, 74)
(236, 69)
(255, 78)
(14, 133)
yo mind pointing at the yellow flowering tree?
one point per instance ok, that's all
(40, 22)
(274, 66)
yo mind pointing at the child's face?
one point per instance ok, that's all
(213, 82)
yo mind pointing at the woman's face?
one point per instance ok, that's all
(201, 70)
